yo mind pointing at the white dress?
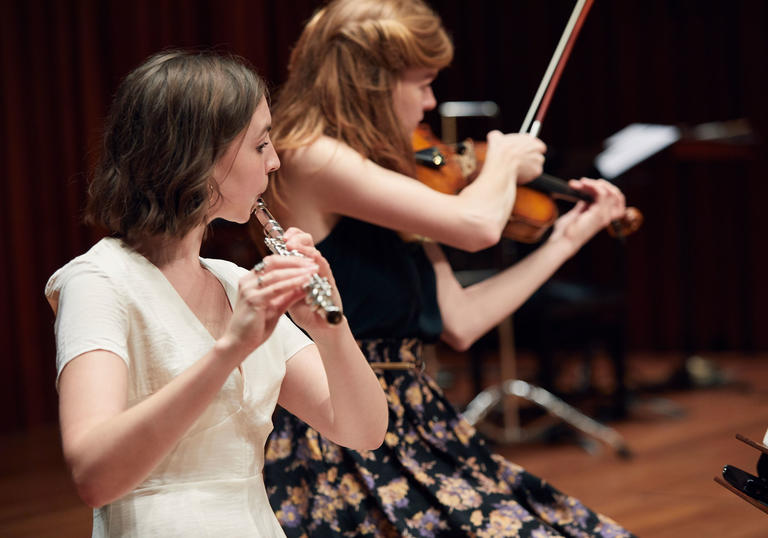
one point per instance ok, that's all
(211, 484)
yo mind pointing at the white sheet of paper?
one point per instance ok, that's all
(632, 145)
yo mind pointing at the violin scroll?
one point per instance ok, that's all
(628, 224)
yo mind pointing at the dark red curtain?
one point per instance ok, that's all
(693, 274)
(61, 62)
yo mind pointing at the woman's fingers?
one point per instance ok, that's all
(275, 278)
(293, 235)
(280, 296)
(276, 282)
(606, 195)
(274, 261)
(519, 154)
(264, 294)
(301, 241)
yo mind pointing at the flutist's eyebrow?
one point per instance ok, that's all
(265, 131)
(262, 137)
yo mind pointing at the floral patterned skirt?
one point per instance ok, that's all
(433, 475)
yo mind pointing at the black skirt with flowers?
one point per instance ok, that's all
(433, 476)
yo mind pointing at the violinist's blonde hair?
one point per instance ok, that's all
(342, 73)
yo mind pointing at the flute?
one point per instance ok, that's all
(318, 288)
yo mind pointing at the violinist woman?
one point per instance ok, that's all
(358, 85)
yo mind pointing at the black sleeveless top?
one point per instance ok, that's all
(387, 285)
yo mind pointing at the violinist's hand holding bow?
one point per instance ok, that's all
(584, 220)
(521, 156)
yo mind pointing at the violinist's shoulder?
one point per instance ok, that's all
(325, 155)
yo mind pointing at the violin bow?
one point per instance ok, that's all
(554, 70)
(546, 88)
(532, 125)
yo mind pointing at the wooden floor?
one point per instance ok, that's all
(666, 490)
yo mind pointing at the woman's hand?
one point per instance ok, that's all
(584, 220)
(519, 154)
(264, 294)
(302, 313)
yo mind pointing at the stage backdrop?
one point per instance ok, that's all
(693, 276)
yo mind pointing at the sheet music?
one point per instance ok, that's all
(632, 145)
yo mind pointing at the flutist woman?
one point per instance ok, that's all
(170, 365)
(358, 85)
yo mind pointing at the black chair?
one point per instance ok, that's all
(575, 318)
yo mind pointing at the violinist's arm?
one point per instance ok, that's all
(470, 312)
(341, 181)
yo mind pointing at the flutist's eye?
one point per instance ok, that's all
(260, 147)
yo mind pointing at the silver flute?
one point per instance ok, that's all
(318, 288)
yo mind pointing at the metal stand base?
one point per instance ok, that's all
(489, 398)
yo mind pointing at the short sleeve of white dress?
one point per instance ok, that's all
(89, 310)
(291, 337)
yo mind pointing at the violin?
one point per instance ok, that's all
(448, 170)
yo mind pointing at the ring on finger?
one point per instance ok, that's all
(259, 280)
(259, 267)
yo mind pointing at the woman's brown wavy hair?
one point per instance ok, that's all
(171, 119)
(342, 73)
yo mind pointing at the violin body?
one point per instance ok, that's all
(449, 170)
(532, 215)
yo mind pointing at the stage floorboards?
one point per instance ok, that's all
(665, 490)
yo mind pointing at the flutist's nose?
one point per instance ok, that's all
(272, 160)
